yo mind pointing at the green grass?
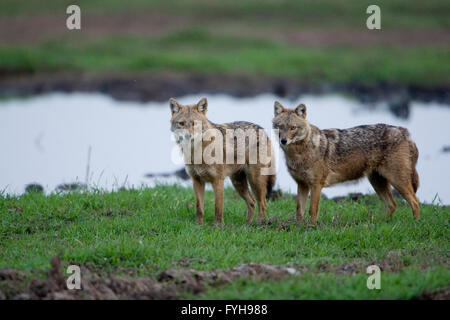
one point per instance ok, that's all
(195, 50)
(404, 14)
(151, 229)
(407, 284)
(236, 37)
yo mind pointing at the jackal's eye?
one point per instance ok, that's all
(181, 124)
(293, 128)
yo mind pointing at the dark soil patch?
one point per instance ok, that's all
(169, 284)
(175, 283)
(186, 262)
(11, 282)
(197, 280)
(440, 294)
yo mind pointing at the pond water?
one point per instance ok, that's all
(63, 138)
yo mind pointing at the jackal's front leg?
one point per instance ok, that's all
(218, 195)
(314, 203)
(199, 189)
(302, 197)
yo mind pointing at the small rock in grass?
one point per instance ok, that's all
(446, 149)
(34, 187)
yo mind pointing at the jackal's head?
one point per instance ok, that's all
(188, 120)
(291, 123)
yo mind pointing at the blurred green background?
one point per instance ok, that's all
(317, 41)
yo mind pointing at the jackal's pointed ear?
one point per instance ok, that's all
(278, 108)
(175, 107)
(301, 110)
(202, 105)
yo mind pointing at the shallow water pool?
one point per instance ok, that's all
(61, 138)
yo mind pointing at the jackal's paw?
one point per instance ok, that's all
(219, 224)
(312, 224)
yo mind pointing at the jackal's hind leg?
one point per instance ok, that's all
(240, 183)
(383, 189)
(401, 179)
(407, 192)
(259, 188)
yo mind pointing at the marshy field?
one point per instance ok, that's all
(88, 177)
(147, 242)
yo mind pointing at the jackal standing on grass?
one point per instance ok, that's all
(243, 161)
(320, 158)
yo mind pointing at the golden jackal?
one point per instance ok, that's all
(320, 158)
(196, 135)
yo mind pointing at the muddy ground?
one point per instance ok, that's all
(171, 283)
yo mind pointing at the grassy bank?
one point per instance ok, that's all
(316, 41)
(195, 50)
(152, 230)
